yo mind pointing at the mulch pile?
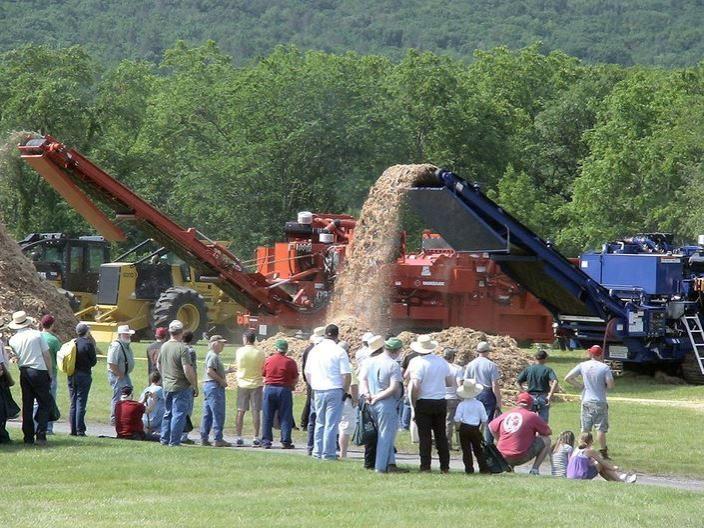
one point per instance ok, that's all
(506, 354)
(22, 289)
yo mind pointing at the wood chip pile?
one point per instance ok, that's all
(22, 289)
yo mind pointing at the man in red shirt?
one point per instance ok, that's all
(128, 417)
(280, 377)
(522, 434)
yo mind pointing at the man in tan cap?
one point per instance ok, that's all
(32, 354)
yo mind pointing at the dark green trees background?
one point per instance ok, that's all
(580, 152)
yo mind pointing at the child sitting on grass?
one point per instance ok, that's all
(561, 453)
(586, 463)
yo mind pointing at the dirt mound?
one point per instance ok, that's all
(362, 290)
(505, 352)
(22, 289)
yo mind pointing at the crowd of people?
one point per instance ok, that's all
(456, 407)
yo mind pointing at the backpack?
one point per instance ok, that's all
(495, 461)
(66, 357)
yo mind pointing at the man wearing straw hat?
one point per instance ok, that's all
(120, 364)
(430, 374)
(34, 360)
(471, 415)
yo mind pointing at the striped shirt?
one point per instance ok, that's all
(560, 459)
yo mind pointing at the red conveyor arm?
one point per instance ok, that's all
(83, 183)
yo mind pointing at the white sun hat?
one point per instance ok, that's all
(375, 343)
(20, 320)
(469, 389)
(125, 329)
(424, 344)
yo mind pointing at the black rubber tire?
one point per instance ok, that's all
(690, 370)
(178, 299)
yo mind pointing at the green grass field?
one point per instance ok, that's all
(651, 439)
(101, 482)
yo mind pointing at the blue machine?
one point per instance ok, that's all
(641, 296)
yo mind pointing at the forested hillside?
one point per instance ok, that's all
(582, 153)
(655, 32)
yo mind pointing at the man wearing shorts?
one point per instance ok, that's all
(250, 382)
(522, 435)
(597, 379)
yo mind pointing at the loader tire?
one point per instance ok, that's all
(183, 304)
(691, 372)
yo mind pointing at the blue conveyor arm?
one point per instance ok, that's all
(469, 221)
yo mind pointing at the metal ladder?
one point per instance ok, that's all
(696, 336)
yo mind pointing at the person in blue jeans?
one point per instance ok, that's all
(381, 381)
(329, 373)
(280, 377)
(80, 382)
(214, 392)
(179, 382)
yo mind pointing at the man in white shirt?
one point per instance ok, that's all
(329, 373)
(429, 375)
(34, 360)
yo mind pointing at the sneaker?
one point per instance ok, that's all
(534, 471)
(288, 446)
(266, 445)
(393, 468)
(40, 442)
(187, 441)
(205, 442)
(239, 442)
(630, 479)
(81, 434)
(605, 453)
(222, 443)
(256, 442)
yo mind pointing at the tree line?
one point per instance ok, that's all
(654, 32)
(582, 153)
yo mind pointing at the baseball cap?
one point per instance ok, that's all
(393, 343)
(483, 347)
(47, 320)
(217, 339)
(82, 329)
(160, 333)
(525, 399)
(175, 326)
(281, 344)
(595, 350)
